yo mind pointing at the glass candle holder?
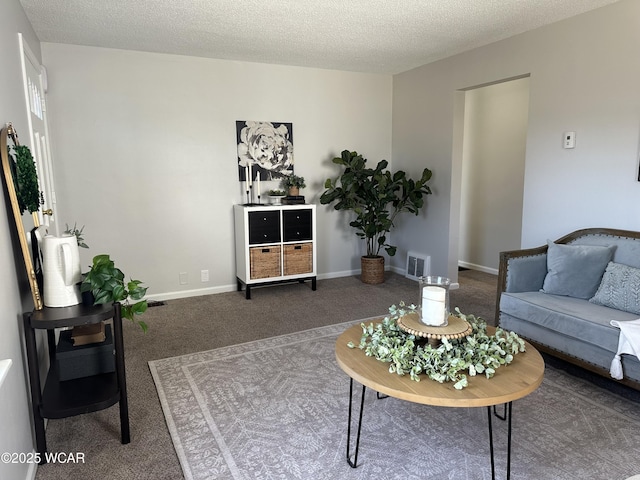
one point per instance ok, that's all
(434, 300)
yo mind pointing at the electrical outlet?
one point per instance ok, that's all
(184, 278)
(204, 275)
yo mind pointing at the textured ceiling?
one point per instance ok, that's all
(379, 36)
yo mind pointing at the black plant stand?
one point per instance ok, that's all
(82, 395)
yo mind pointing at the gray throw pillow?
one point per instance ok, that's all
(620, 288)
(575, 270)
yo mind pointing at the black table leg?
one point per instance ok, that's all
(354, 463)
(34, 382)
(507, 417)
(125, 436)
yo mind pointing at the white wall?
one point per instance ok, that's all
(495, 136)
(584, 78)
(15, 297)
(145, 154)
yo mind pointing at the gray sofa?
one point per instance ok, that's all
(562, 296)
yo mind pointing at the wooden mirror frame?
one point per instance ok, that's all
(6, 133)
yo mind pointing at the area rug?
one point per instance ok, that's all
(277, 409)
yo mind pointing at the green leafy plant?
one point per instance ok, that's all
(277, 193)
(106, 283)
(293, 181)
(25, 180)
(376, 196)
(78, 232)
(450, 361)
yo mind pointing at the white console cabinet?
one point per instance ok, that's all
(274, 244)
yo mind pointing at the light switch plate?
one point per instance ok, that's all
(569, 140)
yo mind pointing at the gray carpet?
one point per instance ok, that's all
(277, 408)
(209, 322)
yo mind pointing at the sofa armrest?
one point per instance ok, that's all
(521, 271)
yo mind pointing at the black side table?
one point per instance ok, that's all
(81, 395)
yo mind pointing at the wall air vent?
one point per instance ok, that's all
(418, 265)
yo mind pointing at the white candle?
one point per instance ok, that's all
(250, 182)
(258, 183)
(433, 305)
(246, 178)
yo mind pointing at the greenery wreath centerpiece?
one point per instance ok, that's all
(450, 361)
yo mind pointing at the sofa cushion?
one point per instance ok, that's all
(570, 316)
(575, 270)
(620, 288)
(627, 249)
(572, 346)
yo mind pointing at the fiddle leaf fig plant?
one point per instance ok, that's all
(451, 361)
(107, 284)
(376, 196)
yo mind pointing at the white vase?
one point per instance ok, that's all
(61, 271)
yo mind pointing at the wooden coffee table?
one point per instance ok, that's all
(511, 382)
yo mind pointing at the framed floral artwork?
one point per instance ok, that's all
(265, 148)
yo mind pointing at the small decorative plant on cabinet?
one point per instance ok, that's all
(293, 183)
(376, 196)
(276, 196)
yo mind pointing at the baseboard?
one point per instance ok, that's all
(33, 469)
(344, 273)
(400, 271)
(192, 293)
(232, 287)
(5, 365)
(481, 268)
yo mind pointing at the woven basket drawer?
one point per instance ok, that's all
(265, 262)
(298, 258)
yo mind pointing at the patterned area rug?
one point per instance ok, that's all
(277, 408)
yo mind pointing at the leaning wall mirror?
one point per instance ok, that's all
(21, 181)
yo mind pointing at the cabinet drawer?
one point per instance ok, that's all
(296, 225)
(265, 262)
(264, 227)
(298, 258)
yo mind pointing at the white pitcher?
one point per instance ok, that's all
(61, 271)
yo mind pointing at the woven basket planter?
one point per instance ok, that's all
(372, 270)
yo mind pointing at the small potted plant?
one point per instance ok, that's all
(78, 232)
(106, 283)
(293, 183)
(276, 196)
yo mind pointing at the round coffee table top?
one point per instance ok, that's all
(510, 382)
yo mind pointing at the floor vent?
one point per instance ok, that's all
(418, 265)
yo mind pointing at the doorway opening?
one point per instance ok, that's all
(492, 163)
